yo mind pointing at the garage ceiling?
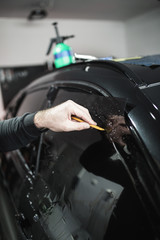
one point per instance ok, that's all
(79, 9)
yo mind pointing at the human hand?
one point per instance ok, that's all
(59, 118)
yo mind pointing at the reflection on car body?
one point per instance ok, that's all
(90, 184)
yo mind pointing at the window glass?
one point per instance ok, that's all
(83, 190)
(32, 102)
(72, 166)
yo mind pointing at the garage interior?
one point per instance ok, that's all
(105, 29)
(101, 28)
(118, 30)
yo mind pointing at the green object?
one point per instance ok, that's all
(62, 53)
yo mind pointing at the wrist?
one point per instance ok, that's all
(29, 125)
(39, 120)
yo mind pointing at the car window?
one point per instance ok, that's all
(68, 181)
(82, 175)
(32, 102)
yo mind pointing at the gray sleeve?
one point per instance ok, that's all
(17, 132)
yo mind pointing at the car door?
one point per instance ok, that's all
(81, 185)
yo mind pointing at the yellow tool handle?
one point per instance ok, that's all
(93, 126)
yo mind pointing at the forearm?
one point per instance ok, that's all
(17, 132)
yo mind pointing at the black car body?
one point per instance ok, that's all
(90, 184)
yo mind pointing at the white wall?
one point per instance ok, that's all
(23, 42)
(143, 34)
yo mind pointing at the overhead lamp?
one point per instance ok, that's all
(36, 14)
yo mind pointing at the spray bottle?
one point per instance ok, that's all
(63, 54)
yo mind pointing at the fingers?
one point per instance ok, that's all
(72, 126)
(82, 113)
(59, 118)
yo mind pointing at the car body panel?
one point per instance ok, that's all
(87, 185)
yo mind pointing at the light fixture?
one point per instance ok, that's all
(36, 14)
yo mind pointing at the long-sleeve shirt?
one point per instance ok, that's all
(17, 132)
